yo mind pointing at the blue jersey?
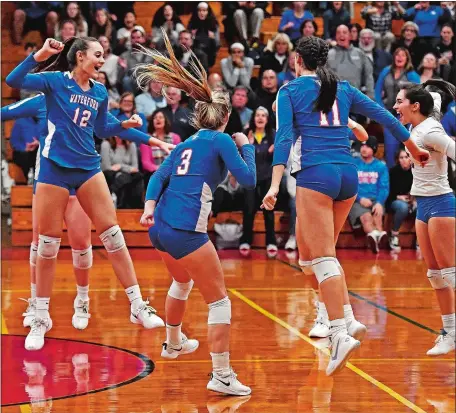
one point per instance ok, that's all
(36, 107)
(194, 170)
(318, 138)
(73, 115)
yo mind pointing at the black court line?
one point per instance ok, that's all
(148, 369)
(373, 303)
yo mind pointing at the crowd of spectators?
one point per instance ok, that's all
(371, 58)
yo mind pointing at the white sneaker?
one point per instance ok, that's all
(29, 313)
(272, 250)
(444, 344)
(372, 242)
(382, 240)
(291, 243)
(320, 328)
(81, 314)
(226, 404)
(244, 249)
(146, 315)
(394, 243)
(341, 350)
(228, 384)
(114, 200)
(357, 330)
(35, 339)
(186, 347)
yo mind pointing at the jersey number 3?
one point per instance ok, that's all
(85, 117)
(182, 169)
(336, 116)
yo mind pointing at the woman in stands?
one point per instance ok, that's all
(76, 220)
(184, 186)
(436, 210)
(317, 105)
(76, 108)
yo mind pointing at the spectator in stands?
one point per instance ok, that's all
(129, 59)
(73, 12)
(104, 26)
(333, 18)
(308, 28)
(178, 116)
(205, 31)
(289, 74)
(410, 40)
(124, 33)
(110, 66)
(428, 69)
(127, 108)
(429, 20)
(24, 141)
(355, 30)
(350, 63)
(399, 201)
(237, 68)
(31, 15)
(276, 54)
(261, 135)
(379, 18)
(215, 81)
(151, 100)
(119, 163)
(378, 57)
(445, 50)
(239, 100)
(368, 209)
(267, 94)
(67, 30)
(228, 196)
(113, 93)
(292, 19)
(449, 120)
(153, 157)
(247, 17)
(166, 19)
(389, 83)
(183, 51)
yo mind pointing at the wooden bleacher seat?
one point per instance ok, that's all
(15, 172)
(137, 236)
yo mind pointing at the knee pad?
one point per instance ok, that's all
(325, 268)
(82, 259)
(449, 275)
(113, 239)
(180, 291)
(33, 254)
(220, 312)
(436, 279)
(306, 267)
(48, 247)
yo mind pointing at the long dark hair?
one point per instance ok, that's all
(159, 17)
(79, 19)
(66, 59)
(209, 24)
(418, 93)
(151, 128)
(314, 54)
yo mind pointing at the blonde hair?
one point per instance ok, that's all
(279, 37)
(212, 107)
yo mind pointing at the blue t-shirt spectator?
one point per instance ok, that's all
(373, 181)
(290, 24)
(449, 120)
(429, 21)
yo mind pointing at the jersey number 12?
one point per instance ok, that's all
(85, 117)
(336, 116)
(182, 169)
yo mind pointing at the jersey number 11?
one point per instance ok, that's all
(336, 116)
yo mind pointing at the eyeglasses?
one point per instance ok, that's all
(410, 30)
(127, 101)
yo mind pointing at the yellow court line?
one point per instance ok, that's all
(25, 408)
(353, 368)
(272, 289)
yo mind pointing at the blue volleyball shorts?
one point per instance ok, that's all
(435, 206)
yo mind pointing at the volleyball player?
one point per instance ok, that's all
(317, 105)
(76, 108)
(77, 222)
(435, 215)
(178, 213)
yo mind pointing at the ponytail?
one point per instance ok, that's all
(66, 59)
(328, 90)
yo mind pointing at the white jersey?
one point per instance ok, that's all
(432, 180)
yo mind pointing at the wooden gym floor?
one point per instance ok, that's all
(115, 366)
